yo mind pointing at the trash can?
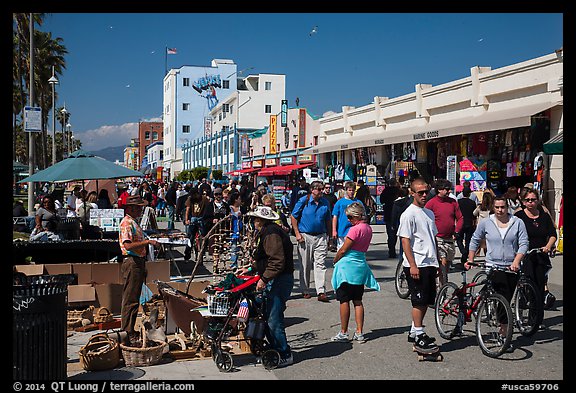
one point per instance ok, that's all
(39, 327)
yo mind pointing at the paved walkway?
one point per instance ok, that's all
(386, 355)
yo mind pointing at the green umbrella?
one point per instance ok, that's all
(81, 165)
(18, 167)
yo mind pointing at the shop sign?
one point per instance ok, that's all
(273, 138)
(247, 165)
(244, 143)
(271, 162)
(257, 164)
(286, 160)
(284, 113)
(451, 170)
(379, 141)
(426, 135)
(302, 128)
(305, 158)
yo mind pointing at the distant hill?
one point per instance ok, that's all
(111, 153)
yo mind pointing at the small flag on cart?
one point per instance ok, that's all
(243, 311)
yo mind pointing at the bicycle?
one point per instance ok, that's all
(454, 306)
(527, 302)
(400, 282)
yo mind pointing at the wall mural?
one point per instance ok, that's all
(207, 84)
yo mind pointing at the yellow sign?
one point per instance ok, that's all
(273, 134)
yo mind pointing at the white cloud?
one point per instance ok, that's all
(108, 136)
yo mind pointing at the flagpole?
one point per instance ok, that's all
(165, 61)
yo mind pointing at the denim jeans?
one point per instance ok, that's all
(277, 293)
(170, 209)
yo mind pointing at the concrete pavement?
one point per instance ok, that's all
(385, 356)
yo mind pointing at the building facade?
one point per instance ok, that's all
(244, 111)
(190, 93)
(488, 128)
(149, 132)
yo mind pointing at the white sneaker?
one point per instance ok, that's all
(286, 362)
(341, 337)
(359, 337)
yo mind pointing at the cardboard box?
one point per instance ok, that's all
(196, 288)
(106, 273)
(157, 270)
(58, 268)
(83, 271)
(83, 293)
(30, 270)
(109, 296)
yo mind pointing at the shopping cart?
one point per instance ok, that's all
(224, 322)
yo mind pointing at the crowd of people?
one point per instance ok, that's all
(428, 222)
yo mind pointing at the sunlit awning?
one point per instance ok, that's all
(554, 145)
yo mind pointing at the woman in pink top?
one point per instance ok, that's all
(352, 273)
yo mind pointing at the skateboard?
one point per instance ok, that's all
(434, 356)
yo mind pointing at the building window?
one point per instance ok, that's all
(268, 86)
(185, 106)
(147, 135)
(268, 109)
(220, 116)
(225, 108)
(231, 108)
(155, 135)
(185, 81)
(226, 84)
(232, 147)
(315, 140)
(225, 145)
(186, 129)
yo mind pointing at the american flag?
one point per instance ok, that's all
(171, 51)
(243, 311)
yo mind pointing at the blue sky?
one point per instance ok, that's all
(116, 62)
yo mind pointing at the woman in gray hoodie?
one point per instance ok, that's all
(506, 243)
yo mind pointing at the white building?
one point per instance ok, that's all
(248, 109)
(517, 100)
(190, 93)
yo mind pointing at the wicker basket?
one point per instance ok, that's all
(144, 356)
(100, 353)
(149, 306)
(103, 315)
(75, 316)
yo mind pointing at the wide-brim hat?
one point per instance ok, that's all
(264, 212)
(136, 201)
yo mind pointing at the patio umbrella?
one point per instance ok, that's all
(82, 165)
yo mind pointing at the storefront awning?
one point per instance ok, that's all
(555, 145)
(473, 120)
(242, 171)
(281, 170)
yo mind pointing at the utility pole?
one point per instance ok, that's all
(31, 134)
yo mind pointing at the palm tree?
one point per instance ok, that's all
(49, 52)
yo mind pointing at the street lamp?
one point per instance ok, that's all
(53, 81)
(63, 119)
(69, 133)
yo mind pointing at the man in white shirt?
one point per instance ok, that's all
(71, 202)
(417, 231)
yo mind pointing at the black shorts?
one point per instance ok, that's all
(422, 291)
(347, 292)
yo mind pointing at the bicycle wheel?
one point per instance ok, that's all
(528, 307)
(446, 310)
(401, 284)
(494, 312)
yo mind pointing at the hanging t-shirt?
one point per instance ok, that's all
(339, 172)
(508, 139)
(480, 144)
(348, 173)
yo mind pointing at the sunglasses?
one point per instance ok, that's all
(423, 192)
(530, 200)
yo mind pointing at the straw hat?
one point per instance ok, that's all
(264, 212)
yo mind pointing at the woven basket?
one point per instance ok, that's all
(87, 313)
(144, 356)
(100, 353)
(149, 306)
(103, 315)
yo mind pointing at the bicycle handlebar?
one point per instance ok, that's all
(492, 267)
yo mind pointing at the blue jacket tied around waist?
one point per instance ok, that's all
(353, 269)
